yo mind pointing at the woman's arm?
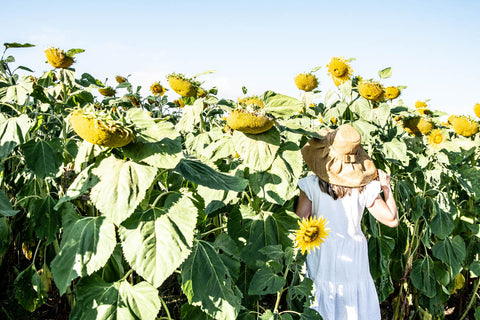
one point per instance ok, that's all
(385, 211)
(304, 206)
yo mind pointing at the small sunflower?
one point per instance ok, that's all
(312, 233)
(371, 90)
(133, 99)
(179, 103)
(333, 120)
(339, 69)
(435, 138)
(107, 91)
(58, 58)
(465, 127)
(306, 81)
(391, 93)
(420, 105)
(253, 100)
(425, 126)
(182, 85)
(424, 111)
(476, 109)
(120, 79)
(157, 89)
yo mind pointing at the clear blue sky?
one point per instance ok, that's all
(432, 46)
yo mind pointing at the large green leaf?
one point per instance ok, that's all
(395, 151)
(379, 250)
(365, 129)
(200, 173)
(99, 300)
(442, 224)
(18, 93)
(452, 252)
(215, 199)
(193, 313)
(381, 115)
(5, 236)
(279, 183)
(469, 178)
(258, 151)
(192, 116)
(86, 245)
(147, 130)
(207, 283)
(84, 181)
(29, 289)
(156, 241)
(12, 134)
(423, 276)
(282, 106)
(46, 220)
(43, 157)
(164, 154)
(121, 187)
(5, 206)
(264, 281)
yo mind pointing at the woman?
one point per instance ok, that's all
(346, 182)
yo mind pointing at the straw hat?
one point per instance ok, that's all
(339, 158)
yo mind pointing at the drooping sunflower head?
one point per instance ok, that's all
(476, 109)
(425, 111)
(182, 85)
(134, 99)
(391, 93)
(312, 234)
(371, 90)
(435, 139)
(249, 121)
(120, 79)
(425, 126)
(201, 93)
(420, 104)
(58, 58)
(179, 103)
(306, 81)
(410, 125)
(252, 100)
(339, 69)
(107, 91)
(157, 89)
(464, 126)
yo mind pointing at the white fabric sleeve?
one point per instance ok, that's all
(306, 184)
(370, 193)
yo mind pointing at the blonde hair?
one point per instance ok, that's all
(336, 191)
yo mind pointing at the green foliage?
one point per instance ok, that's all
(198, 219)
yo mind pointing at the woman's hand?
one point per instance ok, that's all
(384, 178)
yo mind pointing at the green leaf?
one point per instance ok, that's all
(302, 290)
(469, 178)
(452, 252)
(200, 173)
(215, 199)
(46, 220)
(384, 286)
(365, 129)
(164, 154)
(86, 245)
(156, 241)
(442, 224)
(193, 313)
(192, 115)
(147, 130)
(19, 92)
(84, 181)
(395, 151)
(121, 187)
(258, 151)
(279, 183)
(474, 269)
(385, 73)
(281, 106)
(29, 289)
(379, 250)
(5, 234)
(5, 206)
(423, 277)
(12, 133)
(99, 300)
(17, 45)
(265, 281)
(43, 157)
(381, 115)
(72, 52)
(207, 283)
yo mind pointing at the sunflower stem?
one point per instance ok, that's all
(280, 292)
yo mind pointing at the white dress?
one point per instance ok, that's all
(344, 288)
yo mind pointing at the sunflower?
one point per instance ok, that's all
(58, 58)
(157, 89)
(420, 105)
(391, 93)
(201, 93)
(179, 103)
(253, 100)
(371, 90)
(133, 99)
(465, 127)
(182, 85)
(451, 118)
(249, 122)
(424, 111)
(414, 125)
(339, 69)
(435, 138)
(107, 91)
(120, 79)
(306, 81)
(312, 233)
(476, 109)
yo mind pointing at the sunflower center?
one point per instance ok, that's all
(311, 234)
(437, 139)
(340, 69)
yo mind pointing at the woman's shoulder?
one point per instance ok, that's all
(309, 185)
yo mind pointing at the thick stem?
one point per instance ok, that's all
(472, 299)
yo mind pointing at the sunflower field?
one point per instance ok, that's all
(180, 204)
